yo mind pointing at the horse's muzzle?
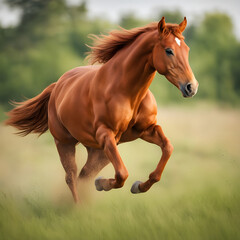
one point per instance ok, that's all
(189, 89)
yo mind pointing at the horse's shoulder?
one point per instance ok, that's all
(149, 102)
(147, 112)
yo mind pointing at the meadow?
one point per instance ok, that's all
(198, 196)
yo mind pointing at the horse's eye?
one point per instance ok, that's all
(169, 52)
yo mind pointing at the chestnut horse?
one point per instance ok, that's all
(104, 105)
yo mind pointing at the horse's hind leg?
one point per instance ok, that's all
(67, 157)
(96, 161)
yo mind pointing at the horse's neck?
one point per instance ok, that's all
(133, 66)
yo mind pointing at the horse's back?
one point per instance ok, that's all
(74, 77)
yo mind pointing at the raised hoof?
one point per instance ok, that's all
(98, 186)
(135, 187)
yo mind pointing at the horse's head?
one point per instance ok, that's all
(170, 57)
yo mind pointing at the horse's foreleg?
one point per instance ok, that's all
(106, 139)
(155, 135)
(67, 157)
(96, 161)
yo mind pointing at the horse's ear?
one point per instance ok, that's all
(183, 24)
(161, 25)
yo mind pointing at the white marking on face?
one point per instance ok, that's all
(178, 41)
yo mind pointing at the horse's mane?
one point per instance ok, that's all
(105, 46)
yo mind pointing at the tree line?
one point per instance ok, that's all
(52, 37)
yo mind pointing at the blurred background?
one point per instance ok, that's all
(42, 39)
(198, 196)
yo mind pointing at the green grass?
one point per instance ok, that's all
(197, 198)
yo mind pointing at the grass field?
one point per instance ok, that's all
(198, 196)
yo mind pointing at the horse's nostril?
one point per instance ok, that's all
(189, 87)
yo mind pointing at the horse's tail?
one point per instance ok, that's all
(32, 114)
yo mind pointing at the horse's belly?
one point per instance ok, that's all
(130, 135)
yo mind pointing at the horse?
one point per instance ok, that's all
(109, 103)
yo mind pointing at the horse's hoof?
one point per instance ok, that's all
(98, 186)
(135, 187)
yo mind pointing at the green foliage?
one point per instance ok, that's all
(129, 21)
(214, 57)
(172, 16)
(206, 215)
(51, 38)
(38, 51)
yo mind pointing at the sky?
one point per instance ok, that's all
(114, 9)
(192, 9)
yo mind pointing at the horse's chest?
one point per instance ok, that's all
(117, 114)
(122, 118)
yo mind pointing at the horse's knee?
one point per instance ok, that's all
(70, 178)
(167, 147)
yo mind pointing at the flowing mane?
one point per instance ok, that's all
(105, 46)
